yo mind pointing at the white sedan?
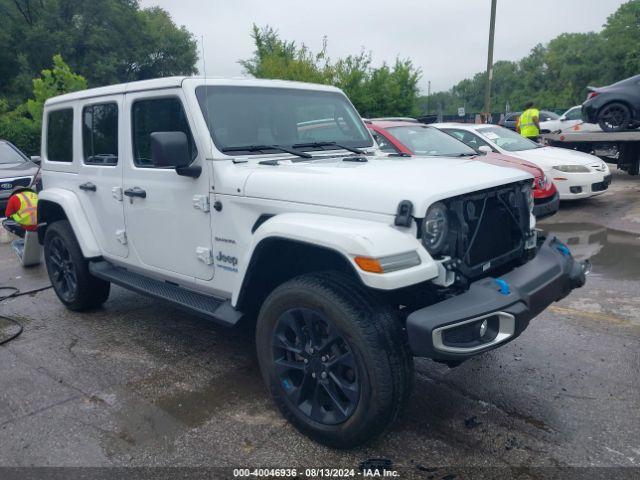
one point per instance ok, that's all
(575, 174)
(570, 121)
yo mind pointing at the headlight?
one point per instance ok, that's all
(435, 228)
(572, 169)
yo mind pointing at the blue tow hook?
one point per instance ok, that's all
(504, 286)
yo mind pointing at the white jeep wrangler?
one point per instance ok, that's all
(269, 200)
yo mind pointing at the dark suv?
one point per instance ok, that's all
(16, 170)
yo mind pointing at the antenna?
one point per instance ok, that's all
(206, 92)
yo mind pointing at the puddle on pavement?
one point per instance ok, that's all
(614, 254)
(194, 407)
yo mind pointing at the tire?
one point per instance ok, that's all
(368, 366)
(69, 271)
(614, 117)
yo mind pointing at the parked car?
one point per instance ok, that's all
(575, 174)
(268, 200)
(615, 107)
(409, 138)
(16, 170)
(510, 119)
(570, 121)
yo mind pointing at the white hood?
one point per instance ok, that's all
(377, 185)
(548, 157)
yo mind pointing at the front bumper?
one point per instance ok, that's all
(545, 207)
(449, 331)
(581, 185)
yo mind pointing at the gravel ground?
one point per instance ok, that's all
(139, 384)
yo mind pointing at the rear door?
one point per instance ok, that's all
(100, 180)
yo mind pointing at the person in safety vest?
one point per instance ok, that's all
(21, 212)
(528, 125)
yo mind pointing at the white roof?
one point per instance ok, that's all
(176, 82)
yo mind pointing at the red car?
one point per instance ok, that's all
(406, 137)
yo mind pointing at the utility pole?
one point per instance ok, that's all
(487, 91)
(428, 95)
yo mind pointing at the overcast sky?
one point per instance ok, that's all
(447, 39)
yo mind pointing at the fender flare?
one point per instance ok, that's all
(349, 238)
(70, 204)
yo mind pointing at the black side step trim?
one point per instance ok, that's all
(212, 308)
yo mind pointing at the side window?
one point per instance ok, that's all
(60, 135)
(384, 144)
(100, 134)
(574, 114)
(157, 115)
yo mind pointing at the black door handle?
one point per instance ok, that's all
(135, 192)
(90, 187)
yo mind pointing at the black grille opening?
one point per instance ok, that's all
(489, 230)
(496, 234)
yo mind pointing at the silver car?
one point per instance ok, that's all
(16, 170)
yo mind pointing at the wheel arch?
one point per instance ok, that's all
(58, 204)
(276, 260)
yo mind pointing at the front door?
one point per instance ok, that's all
(168, 223)
(100, 171)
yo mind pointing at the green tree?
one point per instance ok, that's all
(106, 41)
(22, 125)
(381, 91)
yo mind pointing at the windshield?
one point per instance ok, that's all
(422, 140)
(285, 117)
(508, 139)
(9, 154)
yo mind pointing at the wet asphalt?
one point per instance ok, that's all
(138, 383)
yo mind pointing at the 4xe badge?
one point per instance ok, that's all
(227, 262)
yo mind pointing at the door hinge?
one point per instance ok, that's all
(205, 255)
(116, 192)
(201, 202)
(121, 235)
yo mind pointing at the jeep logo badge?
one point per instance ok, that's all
(227, 259)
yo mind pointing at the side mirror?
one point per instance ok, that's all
(563, 118)
(36, 159)
(484, 149)
(170, 149)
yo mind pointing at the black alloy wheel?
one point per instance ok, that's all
(62, 269)
(614, 117)
(316, 366)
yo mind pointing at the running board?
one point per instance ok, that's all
(206, 306)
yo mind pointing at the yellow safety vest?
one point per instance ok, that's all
(527, 127)
(28, 213)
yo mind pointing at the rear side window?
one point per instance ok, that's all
(60, 135)
(100, 134)
(157, 115)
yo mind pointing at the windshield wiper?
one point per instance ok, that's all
(260, 148)
(328, 144)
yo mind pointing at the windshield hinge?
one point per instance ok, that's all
(201, 202)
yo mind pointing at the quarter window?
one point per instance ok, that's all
(100, 134)
(157, 115)
(60, 135)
